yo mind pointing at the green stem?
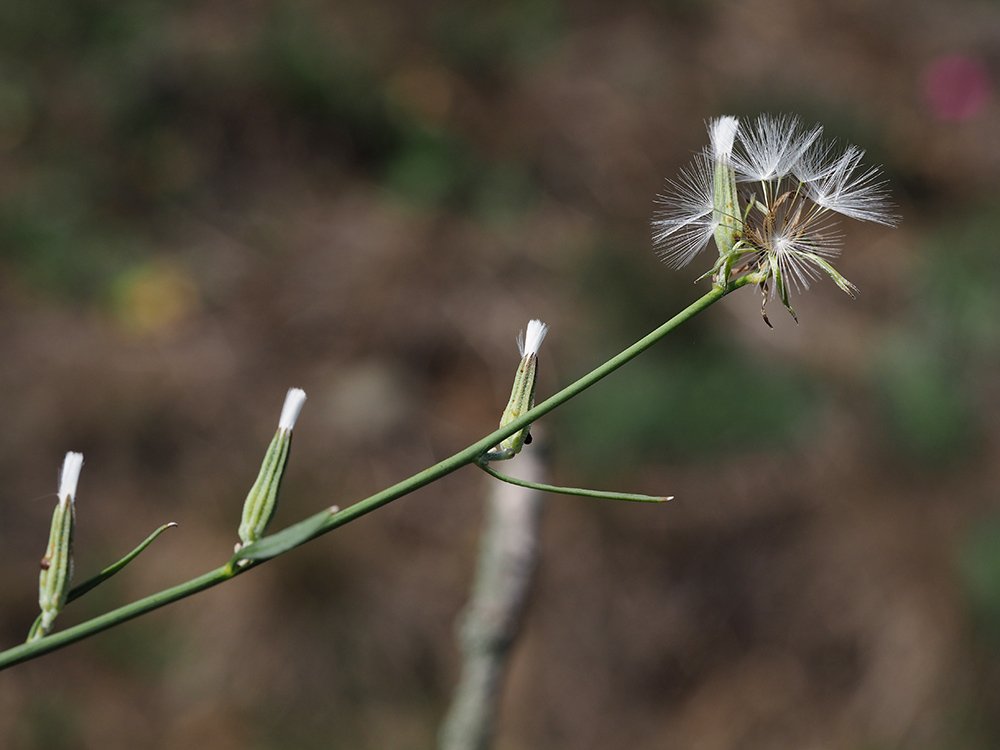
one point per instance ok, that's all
(57, 640)
(325, 521)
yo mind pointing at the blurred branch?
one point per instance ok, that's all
(492, 618)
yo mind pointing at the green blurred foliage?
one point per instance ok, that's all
(929, 375)
(123, 126)
(435, 169)
(486, 40)
(958, 301)
(705, 403)
(321, 86)
(979, 568)
(51, 723)
(57, 248)
(692, 397)
(68, 229)
(926, 408)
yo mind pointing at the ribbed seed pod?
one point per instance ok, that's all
(57, 564)
(726, 214)
(522, 395)
(262, 500)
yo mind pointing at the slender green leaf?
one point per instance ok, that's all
(286, 539)
(598, 494)
(77, 591)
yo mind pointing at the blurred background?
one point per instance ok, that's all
(204, 203)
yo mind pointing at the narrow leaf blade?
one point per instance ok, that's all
(630, 497)
(77, 591)
(288, 538)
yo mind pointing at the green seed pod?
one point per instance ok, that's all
(262, 500)
(522, 395)
(57, 564)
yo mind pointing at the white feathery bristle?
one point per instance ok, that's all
(845, 186)
(722, 135)
(529, 341)
(70, 476)
(684, 222)
(292, 408)
(773, 146)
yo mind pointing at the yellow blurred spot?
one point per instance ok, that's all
(156, 298)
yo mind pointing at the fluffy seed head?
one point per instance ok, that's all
(529, 341)
(70, 476)
(769, 191)
(294, 400)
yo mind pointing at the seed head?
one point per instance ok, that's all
(769, 193)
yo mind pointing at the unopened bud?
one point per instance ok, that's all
(262, 500)
(57, 565)
(726, 208)
(522, 395)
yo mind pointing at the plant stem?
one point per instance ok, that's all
(325, 521)
(61, 638)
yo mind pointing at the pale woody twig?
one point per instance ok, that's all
(492, 618)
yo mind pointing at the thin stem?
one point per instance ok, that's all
(62, 638)
(325, 521)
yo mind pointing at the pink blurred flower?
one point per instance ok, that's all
(956, 87)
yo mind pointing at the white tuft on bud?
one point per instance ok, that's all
(722, 135)
(530, 341)
(293, 407)
(70, 476)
